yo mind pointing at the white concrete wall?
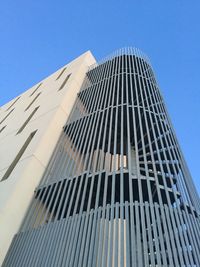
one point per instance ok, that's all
(17, 190)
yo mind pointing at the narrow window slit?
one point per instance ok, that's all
(13, 103)
(2, 128)
(6, 116)
(65, 81)
(19, 155)
(62, 71)
(35, 89)
(27, 120)
(33, 101)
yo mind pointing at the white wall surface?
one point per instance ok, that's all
(17, 190)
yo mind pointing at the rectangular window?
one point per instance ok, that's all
(35, 89)
(13, 103)
(19, 155)
(65, 81)
(28, 119)
(6, 116)
(33, 101)
(62, 71)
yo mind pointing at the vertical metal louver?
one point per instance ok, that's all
(117, 191)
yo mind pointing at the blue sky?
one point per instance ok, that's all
(38, 37)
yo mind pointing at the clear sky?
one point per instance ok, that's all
(40, 36)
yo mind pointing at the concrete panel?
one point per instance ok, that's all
(17, 190)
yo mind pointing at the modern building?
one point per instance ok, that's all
(30, 126)
(101, 184)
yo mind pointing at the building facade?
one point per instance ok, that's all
(116, 190)
(30, 126)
